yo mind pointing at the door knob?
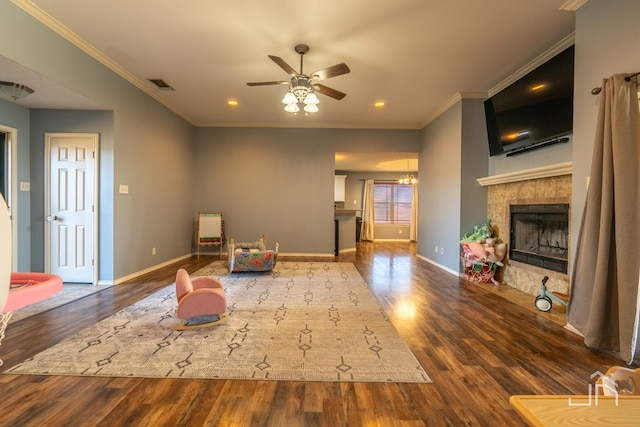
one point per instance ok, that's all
(52, 218)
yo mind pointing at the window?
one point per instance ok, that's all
(392, 203)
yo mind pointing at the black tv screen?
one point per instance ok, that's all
(534, 111)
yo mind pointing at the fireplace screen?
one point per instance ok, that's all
(539, 235)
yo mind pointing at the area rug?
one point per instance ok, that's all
(303, 321)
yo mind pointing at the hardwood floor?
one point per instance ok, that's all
(478, 348)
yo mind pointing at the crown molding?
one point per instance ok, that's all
(451, 102)
(29, 7)
(535, 63)
(573, 5)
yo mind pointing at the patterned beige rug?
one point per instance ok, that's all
(303, 321)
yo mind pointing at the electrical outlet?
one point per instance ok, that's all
(153, 251)
(441, 250)
(399, 231)
(25, 186)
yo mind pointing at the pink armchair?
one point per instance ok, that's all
(201, 301)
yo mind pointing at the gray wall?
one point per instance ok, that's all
(439, 190)
(101, 122)
(607, 43)
(279, 182)
(454, 155)
(474, 165)
(150, 150)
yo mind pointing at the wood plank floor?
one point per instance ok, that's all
(478, 347)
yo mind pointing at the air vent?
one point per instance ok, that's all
(162, 85)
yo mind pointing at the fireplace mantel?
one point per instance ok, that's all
(557, 169)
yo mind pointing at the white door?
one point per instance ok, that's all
(71, 211)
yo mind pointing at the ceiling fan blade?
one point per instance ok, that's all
(333, 71)
(328, 91)
(267, 83)
(286, 67)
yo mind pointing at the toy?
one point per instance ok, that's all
(482, 254)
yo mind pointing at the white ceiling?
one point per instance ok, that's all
(418, 56)
(415, 55)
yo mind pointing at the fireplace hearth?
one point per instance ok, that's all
(539, 235)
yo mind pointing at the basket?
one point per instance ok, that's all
(479, 271)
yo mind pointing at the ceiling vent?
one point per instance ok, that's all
(162, 85)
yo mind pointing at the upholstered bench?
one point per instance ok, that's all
(252, 256)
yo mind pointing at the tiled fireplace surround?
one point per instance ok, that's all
(545, 185)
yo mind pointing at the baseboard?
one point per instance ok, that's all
(347, 250)
(293, 254)
(148, 270)
(440, 266)
(573, 329)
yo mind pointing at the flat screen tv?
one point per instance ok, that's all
(535, 111)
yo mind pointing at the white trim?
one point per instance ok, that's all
(328, 255)
(440, 266)
(347, 250)
(636, 325)
(13, 192)
(73, 38)
(573, 5)
(451, 102)
(535, 63)
(557, 169)
(147, 270)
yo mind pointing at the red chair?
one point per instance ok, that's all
(201, 301)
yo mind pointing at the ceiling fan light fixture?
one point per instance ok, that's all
(292, 108)
(311, 99)
(311, 108)
(15, 90)
(289, 98)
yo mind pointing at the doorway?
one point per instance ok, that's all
(71, 206)
(8, 183)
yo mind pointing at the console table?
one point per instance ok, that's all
(578, 410)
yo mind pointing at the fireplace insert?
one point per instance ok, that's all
(539, 235)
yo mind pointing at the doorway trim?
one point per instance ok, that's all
(96, 199)
(12, 140)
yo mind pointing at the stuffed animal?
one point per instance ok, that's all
(480, 232)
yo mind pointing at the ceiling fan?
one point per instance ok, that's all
(303, 86)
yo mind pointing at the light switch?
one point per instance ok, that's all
(25, 186)
(124, 189)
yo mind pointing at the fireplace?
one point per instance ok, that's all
(539, 235)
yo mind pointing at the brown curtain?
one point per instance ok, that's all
(604, 283)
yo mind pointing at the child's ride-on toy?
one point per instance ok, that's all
(544, 300)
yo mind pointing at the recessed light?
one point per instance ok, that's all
(379, 104)
(232, 102)
(538, 87)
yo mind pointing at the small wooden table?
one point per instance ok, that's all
(578, 410)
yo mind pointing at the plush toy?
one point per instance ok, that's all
(480, 232)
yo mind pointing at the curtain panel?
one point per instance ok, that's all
(367, 227)
(603, 304)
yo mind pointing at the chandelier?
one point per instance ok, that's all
(300, 95)
(408, 179)
(15, 90)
